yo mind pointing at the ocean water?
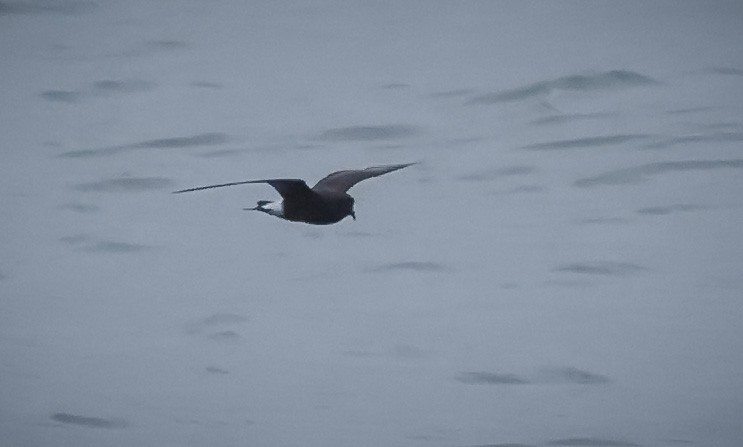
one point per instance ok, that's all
(561, 268)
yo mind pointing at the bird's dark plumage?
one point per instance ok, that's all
(325, 203)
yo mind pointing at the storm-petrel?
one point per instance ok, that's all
(325, 203)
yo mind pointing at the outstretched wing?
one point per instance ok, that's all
(285, 186)
(342, 181)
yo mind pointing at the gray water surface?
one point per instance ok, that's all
(562, 268)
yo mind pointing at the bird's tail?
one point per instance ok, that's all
(259, 207)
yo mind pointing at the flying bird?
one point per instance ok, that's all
(325, 203)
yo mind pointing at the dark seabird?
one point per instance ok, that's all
(325, 203)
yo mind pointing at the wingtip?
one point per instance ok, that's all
(405, 165)
(396, 166)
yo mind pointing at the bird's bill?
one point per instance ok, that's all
(353, 215)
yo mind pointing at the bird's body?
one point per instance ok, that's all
(325, 203)
(312, 209)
